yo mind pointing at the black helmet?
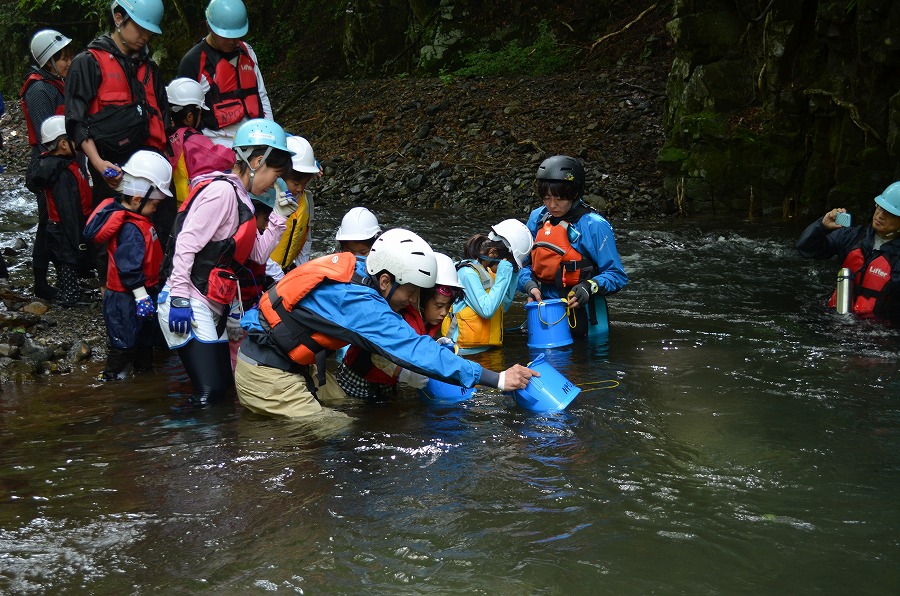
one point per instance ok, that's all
(562, 168)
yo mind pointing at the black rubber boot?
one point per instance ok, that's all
(118, 363)
(42, 288)
(209, 368)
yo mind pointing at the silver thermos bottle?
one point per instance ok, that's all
(844, 291)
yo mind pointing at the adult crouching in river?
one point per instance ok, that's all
(215, 234)
(871, 252)
(325, 304)
(116, 102)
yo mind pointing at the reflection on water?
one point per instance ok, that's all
(751, 445)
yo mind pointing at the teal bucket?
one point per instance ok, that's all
(548, 326)
(550, 392)
(439, 392)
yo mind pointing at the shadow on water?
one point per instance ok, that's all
(750, 445)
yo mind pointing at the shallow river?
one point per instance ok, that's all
(751, 446)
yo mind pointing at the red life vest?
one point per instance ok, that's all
(869, 280)
(233, 91)
(299, 343)
(33, 131)
(554, 261)
(109, 232)
(216, 264)
(360, 361)
(84, 193)
(115, 90)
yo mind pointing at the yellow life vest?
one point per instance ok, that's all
(475, 331)
(295, 234)
(181, 181)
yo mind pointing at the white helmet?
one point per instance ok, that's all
(406, 256)
(303, 160)
(185, 92)
(515, 235)
(52, 128)
(446, 272)
(358, 224)
(45, 44)
(145, 170)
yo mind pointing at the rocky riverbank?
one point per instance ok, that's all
(403, 142)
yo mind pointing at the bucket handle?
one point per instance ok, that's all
(541, 318)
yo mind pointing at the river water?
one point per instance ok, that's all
(752, 445)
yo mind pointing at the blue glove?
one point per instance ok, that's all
(144, 307)
(180, 316)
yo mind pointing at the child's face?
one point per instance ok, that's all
(262, 221)
(63, 62)
(296, 183)
(149, 207)
(437, 308)
(556, 206)
(360, 249)
(65, 148)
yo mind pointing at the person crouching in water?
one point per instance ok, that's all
(134, 258)
(324, 304)
(214, 235)
(58, 176)
(574, 255)
(368, 376)
(488, 275)
(871, 252)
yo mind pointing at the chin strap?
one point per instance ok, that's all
(246, 159)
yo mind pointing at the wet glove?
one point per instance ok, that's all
(181, 316)
(143, 304)
(233, 326)
(285, 205)
(583, 291)
(408, 377)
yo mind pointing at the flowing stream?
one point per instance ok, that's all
(752, 445)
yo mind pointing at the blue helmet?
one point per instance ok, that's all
(146, 13)
(268, 198)
(227, 18)
(889, 200)
(261, 132)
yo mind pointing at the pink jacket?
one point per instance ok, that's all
(214, 216)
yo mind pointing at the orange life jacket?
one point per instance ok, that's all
(554, 261)
(233, 91)
(298, 342)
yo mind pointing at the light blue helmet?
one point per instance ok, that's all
(227, 18)
(261, 132)
(146, 13)
(268, 198)
(889, 200)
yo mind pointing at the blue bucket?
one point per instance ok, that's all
(548, 326)
(439, 392)
(550, 392)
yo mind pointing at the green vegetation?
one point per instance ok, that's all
(544, 56)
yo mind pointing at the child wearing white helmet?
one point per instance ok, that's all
(214, 236)
(134, 256)
(43, 95)
(357, 233)
(61, 180)
(191, 153)
(488, 277)
(294, 246)
(236, 91)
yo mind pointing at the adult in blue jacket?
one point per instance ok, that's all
(325, 304)
(871, 252)
(574, 254)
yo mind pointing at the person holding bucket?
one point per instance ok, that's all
(871, 253)
(574, 254)
(487, 276)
